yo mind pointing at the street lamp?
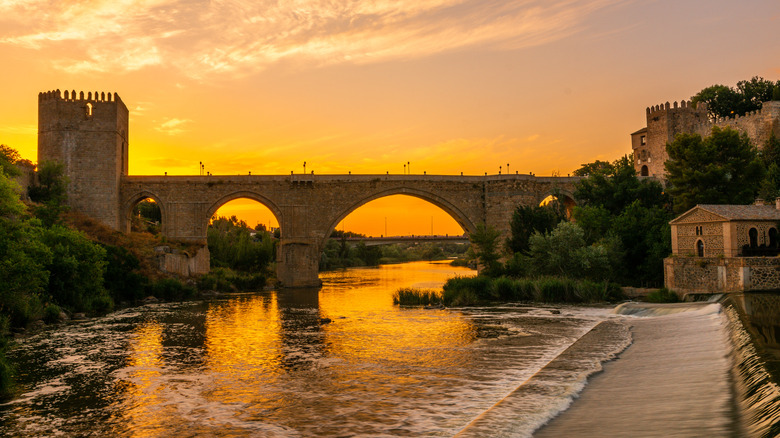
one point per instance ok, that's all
(304, 168)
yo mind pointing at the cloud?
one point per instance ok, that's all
(239, 37)
(173, 126)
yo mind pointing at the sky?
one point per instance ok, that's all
(365, 86)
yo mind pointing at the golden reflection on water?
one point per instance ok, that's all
(146, 411)
(243, 346)
(270, 356)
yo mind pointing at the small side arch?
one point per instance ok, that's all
(133, 200)
(462, 219)
(644, 171)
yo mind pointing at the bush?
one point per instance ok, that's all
(51, 313)
(463, 291)
(662, 295)
(226, 280)
(593, 292)
(416, 297)
(556, 290)
(507, 289)
(120, 278)
(170, 289)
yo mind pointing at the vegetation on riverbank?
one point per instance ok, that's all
(339, 253)
(482, 290)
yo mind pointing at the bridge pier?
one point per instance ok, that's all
(298, 263)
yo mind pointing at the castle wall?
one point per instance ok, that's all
(665, 121)
(88, 134)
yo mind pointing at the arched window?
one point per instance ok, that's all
(753, 234)
(644, 171)
(88, 110)
(700, 248)
(773, 238)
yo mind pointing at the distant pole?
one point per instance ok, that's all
(499, 170)
(409, 167)
(304, 168)
(404, 169)
(200, 167)
(507, 168)
(385, 226)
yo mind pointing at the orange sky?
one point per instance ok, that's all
(366, 86)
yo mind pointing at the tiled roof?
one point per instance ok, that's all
(743, 212)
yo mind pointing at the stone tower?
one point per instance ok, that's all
(88, 135)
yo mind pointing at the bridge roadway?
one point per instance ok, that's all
(308, 207)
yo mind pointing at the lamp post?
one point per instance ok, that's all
(304, 168)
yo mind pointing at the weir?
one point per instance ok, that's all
(89, 136)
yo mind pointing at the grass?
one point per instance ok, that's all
(408, 296)
(662, 295)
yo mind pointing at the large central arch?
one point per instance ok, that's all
(438, 201)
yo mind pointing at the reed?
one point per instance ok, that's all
(409, 296)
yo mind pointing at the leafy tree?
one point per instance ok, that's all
(595, 167)
(563, 252)
(645, 237)
(233, 244)
(618, 188)
(75, 270)
(724, 101)
(527, 220)
(52, 192)
(8, 158)
(11, 207)
(485, 243)
(723, 168)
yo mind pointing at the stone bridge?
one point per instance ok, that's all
(308, 207)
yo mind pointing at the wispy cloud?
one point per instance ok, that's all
(240, 37)
(173, 126)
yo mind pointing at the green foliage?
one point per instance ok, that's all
(723, 168)
(11, 206)
(171, 289)
(226, 280)
(485, 244)
(75, 269)
(416, 297)
(527, 220)
(480, 290)
(468, 291)
(121, 277)
(23, 273)
(596, 167)
(564, 252)
(8, 158)
(146, 217)
(724, 101)
(52, 192)
(662, 295)
(235, 245)
(51, 313)
(615, 190)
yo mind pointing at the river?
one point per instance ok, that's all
(341, 361)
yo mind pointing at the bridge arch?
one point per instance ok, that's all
(133, 200)
(462, 219)
(212, 210)
(564, 196)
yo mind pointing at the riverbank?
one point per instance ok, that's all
(673, 380)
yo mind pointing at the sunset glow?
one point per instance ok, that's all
(366, 87)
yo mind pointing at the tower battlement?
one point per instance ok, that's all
(76, 128)
(666, 120)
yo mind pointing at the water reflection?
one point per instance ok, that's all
(761, 313)
(338, 361)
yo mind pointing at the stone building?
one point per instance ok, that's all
(725, 248)
(665, 121)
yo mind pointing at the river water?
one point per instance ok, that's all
(270, 363)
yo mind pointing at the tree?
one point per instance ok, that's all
(526, 220)
(616, 189)
(8, 159)
(723, 168)
(485, 243)
(723, 101)
(593, 168)
(563, 252)
(52, 192)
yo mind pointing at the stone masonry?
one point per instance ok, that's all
(665, 121)
(88, 134)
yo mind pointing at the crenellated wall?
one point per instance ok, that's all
(667, 120)
(88, 134)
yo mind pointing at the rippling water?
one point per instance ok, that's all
(269, 363)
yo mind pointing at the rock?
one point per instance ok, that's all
(79, 316)
(150, 300)
(63, 317)
(555, 312)
(325, 321)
